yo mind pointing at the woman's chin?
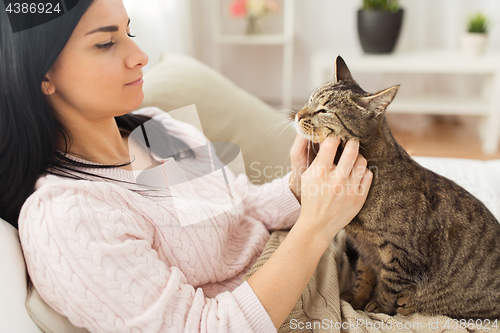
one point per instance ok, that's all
(136, 102)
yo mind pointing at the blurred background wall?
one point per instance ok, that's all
(185, 26)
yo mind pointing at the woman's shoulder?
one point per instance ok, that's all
(60, 195)
(49, 182)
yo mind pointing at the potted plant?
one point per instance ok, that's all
(475, 38)
(379, 25)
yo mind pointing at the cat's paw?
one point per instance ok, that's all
(404, 304)
(356, 302)
(347, 296)
(373, 306)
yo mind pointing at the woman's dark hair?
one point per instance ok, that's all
(29, 128)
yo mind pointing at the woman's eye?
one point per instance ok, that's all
(105, 46)
(108, 45)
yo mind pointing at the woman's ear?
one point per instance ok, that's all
(47, 87)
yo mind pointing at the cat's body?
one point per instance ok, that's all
(425, 244)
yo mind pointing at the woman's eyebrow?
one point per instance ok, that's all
(111, 28)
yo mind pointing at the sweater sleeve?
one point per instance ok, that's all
(92, 261)
(272, 203)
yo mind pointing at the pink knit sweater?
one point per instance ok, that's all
(116, 260)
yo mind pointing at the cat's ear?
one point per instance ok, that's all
(341, 72)
(378, 102)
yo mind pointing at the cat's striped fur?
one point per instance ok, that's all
(424, 243)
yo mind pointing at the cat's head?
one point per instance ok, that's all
(342, 109)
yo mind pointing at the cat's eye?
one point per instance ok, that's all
(320, 111)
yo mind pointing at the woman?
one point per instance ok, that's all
(116, 256)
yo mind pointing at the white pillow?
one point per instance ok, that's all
(22, 308)
(480, 178)
(47, 318)
(227, 113)
(13, 289)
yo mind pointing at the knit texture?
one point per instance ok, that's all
(115, 257)
(320, 309)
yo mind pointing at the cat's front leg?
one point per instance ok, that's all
(385, 296)
(363, 286)
(382, 303)
(405, 302)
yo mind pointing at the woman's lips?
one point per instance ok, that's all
(136, 83)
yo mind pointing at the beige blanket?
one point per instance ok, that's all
(321, 310)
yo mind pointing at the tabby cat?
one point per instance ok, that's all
(423, 243)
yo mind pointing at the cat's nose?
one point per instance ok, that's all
(302, 111)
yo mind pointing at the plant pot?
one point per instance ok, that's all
(474, 43)
(379, 30)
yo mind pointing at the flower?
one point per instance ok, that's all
(273, 6)
(238, 8)
(253, 8)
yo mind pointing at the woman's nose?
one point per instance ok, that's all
(137, 57)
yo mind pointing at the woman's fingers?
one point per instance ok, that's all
(298, 145)
(361, 177)
(300, 157)
(298, 153)
(348, 158)
(366, 181)
(358, 170)
(312, 150)
(327, 152)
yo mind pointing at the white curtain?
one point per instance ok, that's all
(160, 26)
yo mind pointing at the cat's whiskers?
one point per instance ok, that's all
(308, 153)
(287, 111)
(278, 124)
(291, 123)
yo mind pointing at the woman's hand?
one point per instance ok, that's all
(302, 154)
(332, 195)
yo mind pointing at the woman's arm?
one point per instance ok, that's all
(331, 196)
(92, 260)
(273, 203)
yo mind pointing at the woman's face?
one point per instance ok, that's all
(99, 72)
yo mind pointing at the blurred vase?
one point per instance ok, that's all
(252, 25)
(474, 43)
(378, 30)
